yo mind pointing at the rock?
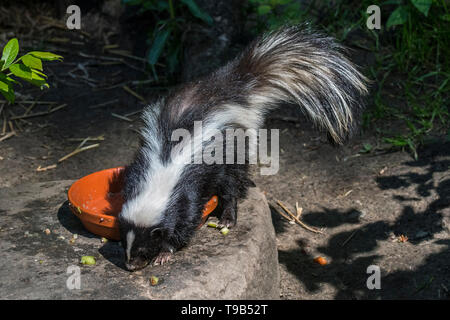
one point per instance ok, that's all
(242, 265)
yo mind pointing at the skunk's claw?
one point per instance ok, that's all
(162, 257)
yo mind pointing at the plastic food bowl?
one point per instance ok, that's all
(96, 199)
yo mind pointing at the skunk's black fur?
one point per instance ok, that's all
(163, 200)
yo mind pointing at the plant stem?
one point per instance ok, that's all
(171, 10)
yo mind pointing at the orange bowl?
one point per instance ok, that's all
(97, 200)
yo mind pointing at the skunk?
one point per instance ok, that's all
(164, 193)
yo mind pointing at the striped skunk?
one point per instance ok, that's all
(164, 195)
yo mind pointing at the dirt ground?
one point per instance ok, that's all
(363, 203)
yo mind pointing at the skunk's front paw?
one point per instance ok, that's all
(229, 215)
(162, 257)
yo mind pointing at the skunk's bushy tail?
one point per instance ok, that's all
(296, 65)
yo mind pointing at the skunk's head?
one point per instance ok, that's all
(141, 244)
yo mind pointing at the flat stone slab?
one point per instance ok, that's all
(37, 265)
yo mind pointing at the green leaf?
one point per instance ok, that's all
(6, 88)
(37, 80)
(32, 62)
(398, 142)
(197, 12)
(446, 17)
(398, 16)
(172, 59)
(22, 71)
(264, 9)
(7, 79)
(46, 56)
(422, 5)
(157, 46)
(10, 52)
(367, 147)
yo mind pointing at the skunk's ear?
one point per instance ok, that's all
(156, 233)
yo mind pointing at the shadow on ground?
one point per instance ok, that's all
(111, 250)
(347, 271)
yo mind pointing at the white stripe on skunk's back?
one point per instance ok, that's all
(157, 183)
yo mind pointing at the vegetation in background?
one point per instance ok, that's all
(411, 50)
(28, 67)
(172, 17)
(272, 14)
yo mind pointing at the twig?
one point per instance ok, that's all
(99, 138)
(298, 220)
(38, 114)
(8, 135)
(4, 125)
(82, 143)
(104, 104)
(132, 113)
(53, 166)
(124, 54)
(76, 151)
(299, 210)
(345, 194)
(282, 214)
(348, 239)
(126, 88)
(84, 55)
(32, 102)
(121, 117)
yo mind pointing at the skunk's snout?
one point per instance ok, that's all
(136, 264)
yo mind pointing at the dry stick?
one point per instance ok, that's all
(82, 143)
(84, 55)
(53, 166)
(11, 127)
(104, 104)
(121, 117)
(132, 113)
(38, 114)
(4, 125)
(29, 108)
(126, 88)
(110, 46)
(282, 214)
(299, 210)
(124, 54)
(348, 239)
(12, 114)
(32, 102)
(76, 151)
(99, 138)
(298, 220)
(9, 135)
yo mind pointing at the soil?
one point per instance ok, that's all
(363, 203)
